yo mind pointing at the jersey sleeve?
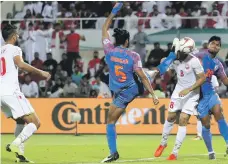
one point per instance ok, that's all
(197, 67)
(137, 61)
(220, 72)
(17, 52)
(108, 46)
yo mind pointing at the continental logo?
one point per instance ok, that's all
(98, 115)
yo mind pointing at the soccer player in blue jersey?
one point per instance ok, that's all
(122, 63)
(209, 102)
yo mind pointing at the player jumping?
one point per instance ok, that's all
(13, 102)
(210, 102)
(185, 97)
(122, 63)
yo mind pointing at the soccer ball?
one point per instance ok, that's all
(187, 45)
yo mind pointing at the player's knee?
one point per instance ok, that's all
(183, 121)
(171, 118)
(206, 125)
(218, 116)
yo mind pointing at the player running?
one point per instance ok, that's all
(122, 63)
(210, 102)
(185, 97)
(13, 102)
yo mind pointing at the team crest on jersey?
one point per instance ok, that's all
(187, 66)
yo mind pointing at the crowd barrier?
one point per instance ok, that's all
(141, 117)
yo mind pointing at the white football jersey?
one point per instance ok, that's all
(186, 74)
(9, 71)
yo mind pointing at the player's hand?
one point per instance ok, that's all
(176, 45)
(184, 92)
(155, 99)
(46, 75)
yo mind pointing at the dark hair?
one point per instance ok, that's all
(8, 30)
(215, 38)
(121, 36)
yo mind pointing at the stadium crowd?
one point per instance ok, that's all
(63, 59)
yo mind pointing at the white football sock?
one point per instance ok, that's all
(199, 128)
(25, 134)
(179, 139)
(168, 126)
(18, 130)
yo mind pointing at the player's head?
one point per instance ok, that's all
(9, 34)
(214, 44)
(121, 37)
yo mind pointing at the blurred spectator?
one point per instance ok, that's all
(217, 22)
(45, 87)
(118, 23)
(41, 44)
(84, 87)
(140, 40)
(70, 88)
(148, 5)
(94, 64)
(72, 40)
(57, 42)
(63, 62)
(162, 5)
(29, 88)
(204, 45)
(155, 55)
(102, 89)
(177, 19)
(27, 6)
(48, 10)
(57, 89)
(76, 76)
(93, 94)
(169, 49)
(28, 14)
(104, 76)
(50, 63)
(29, 42)
(157, 20)
(203, 20)
(24, 58)
(37, 7)
(182, 13)
(37, 62)
(79, 63)
(60, 74)
(130, 20)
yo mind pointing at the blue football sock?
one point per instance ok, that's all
(207, 137)
(111, 137)
(223, 128)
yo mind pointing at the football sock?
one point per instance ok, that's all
(179, 139)
(168, 126)
(223, 128)
(199, 128)
(207, 137)
(111, 137)
(27, 132)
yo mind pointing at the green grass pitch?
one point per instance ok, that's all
(137, 149)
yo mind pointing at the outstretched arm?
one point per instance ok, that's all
(108, 21)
